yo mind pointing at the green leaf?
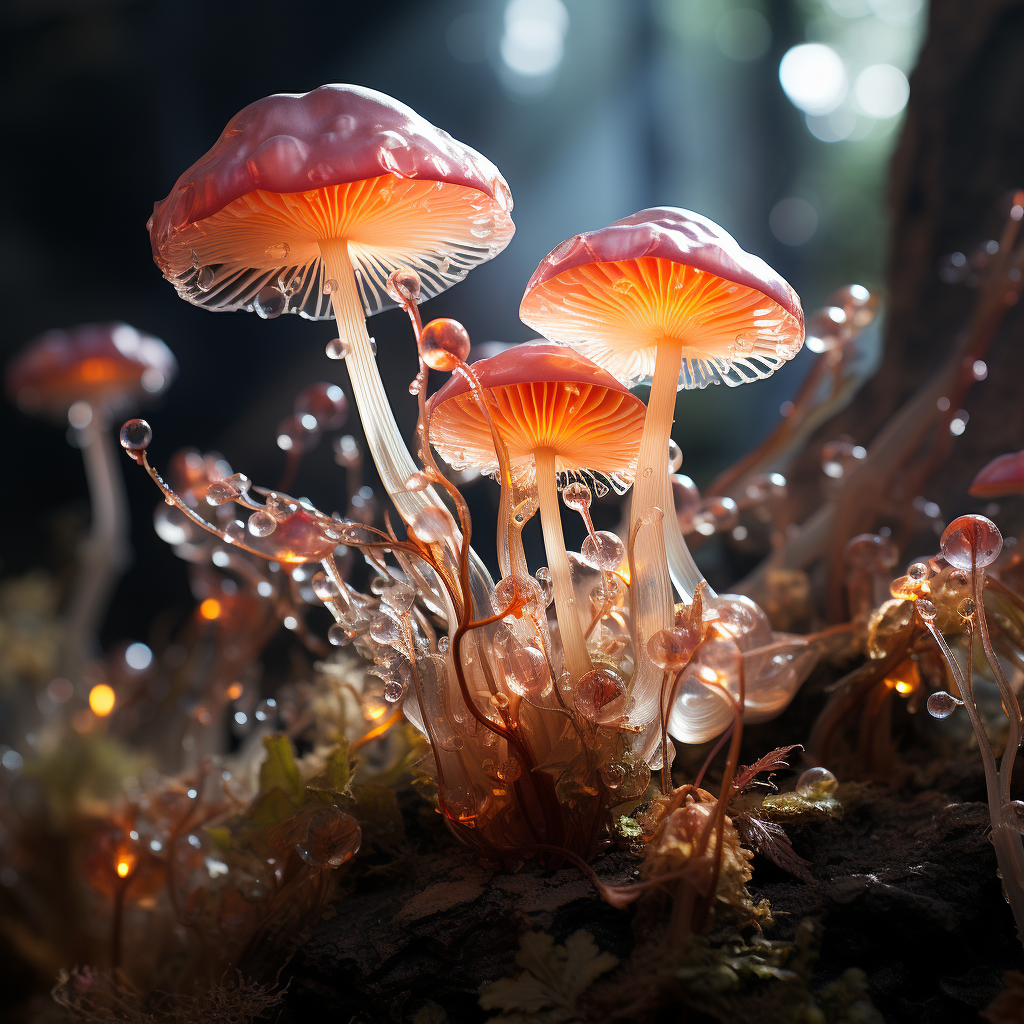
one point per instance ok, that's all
(337, 774)
(815, 802)
(553, 979)
(279, 770)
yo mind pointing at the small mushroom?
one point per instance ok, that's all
(88, 375)
(1001, 478)
(668, 295)
(307, 202)
(557, 414)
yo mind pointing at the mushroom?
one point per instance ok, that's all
(558, 414)
(306, 203)
(669, 295)
(88, 375)
(1000, 478)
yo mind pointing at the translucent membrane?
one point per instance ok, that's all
(272, 240)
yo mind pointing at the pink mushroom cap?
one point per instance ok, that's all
(1003, 476)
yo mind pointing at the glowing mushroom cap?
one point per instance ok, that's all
(110, 366)
(541, 396)
(616, 292)
(293, 169)
(1003, 476)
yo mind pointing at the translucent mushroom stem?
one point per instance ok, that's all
(390, 454)
(574, 646)
(682, 569)
(105, 552)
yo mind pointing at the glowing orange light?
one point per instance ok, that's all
(123, 867)
(375, 712)
(905, 677)
(102, 699)
(210, 608)
(234, 691)
(94, 370)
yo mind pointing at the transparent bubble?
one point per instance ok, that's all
(393, 690)
(603, 551)
(577, 496)
(262, 524)
(509, 771)
(205, 279)
(609, 593)
(526, 671)
(613, 775)
(221, 492)
(444, 344)
(971, 541)
(925, 609)
(337, 348)
(270, 302)
(417, 482)
(675, 456)
(546, 584)
(404, 286)
(816, 779)
(324, 587)
(941, 704)
(871, 552)
(919, 571)
(443, 644)
(1013, 815)
(966, 608)
(338, 635)
(277, 251)
(671, 648)
(838, 458)
(529, 592)
(652, 516)
(136, 436)
(432, 525)
(601, 696)
(400, 597)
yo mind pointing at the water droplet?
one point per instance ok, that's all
(321, 406)
(417, 482)
(1013, 815)
(966, 608)
(444, 344)
(546, 584)
(744, 341)
(971, 541)
(330, 286)
(270, 302)
(675, 456)
(603, 550)
(613, 775)
(816, 779)
(919, 571)
(925, 609)
(262, 524)
(205, 279)
(652, 516)
(338, 635)
(400, 597)
(236, 533)
(577, 496)
(404, 286)
(508, 771)
(601, 696)
(648, 472)
(941, 704)
(278, 251)
(443, 644)
(337, 348)
(526, 670)
(324, 587)
(671, 648)
(432, 525)
(136, 436)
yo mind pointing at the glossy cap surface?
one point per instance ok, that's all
(110, 366)
(340, 161)
(616, 292)
(1003, 476)
(541, 396)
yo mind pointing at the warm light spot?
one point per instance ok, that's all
(101, 699)
(123, 867)
(375, 712)
(235, 691)
(94, 370)
(905, 677)
(210, 608)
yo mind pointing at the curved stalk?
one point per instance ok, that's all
(390, 454)
(682, 569)
(574, 647)
(105, 552)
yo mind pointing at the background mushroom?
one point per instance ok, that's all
(559, 413)
(307, 202)
(89, 375)
(1000, 478)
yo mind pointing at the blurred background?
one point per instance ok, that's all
(776, 118)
